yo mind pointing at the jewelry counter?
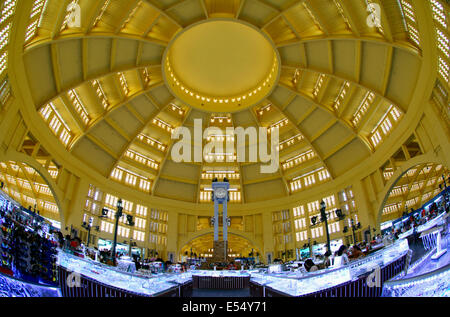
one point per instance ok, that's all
(347, 281)
(220, 279)
(432, 284)
(14, 287)
(81, 277)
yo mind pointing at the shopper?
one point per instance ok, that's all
(341, 258)
(328, 260)
(356, 252)
(310, 266)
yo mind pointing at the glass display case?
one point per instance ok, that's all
(205, 273)
(311, 282)
(11, 287)
(145, 285)
(300, 283)
(433, 284)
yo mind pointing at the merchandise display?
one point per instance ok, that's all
(12, 287)
(113, 277)
(433, 284)
(27, 251)
(302, 283)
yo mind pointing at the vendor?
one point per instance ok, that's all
(356, 253)
(341, 257)
(310, 266)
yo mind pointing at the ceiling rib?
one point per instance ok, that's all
(166, 155)
(280, 171)
(297, 128)
(110, 110)
(97, 77)
(133, 138)
(351, 81)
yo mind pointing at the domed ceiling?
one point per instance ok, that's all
(110, 90)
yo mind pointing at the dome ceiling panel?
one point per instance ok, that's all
(281, 95)
(174, 189)
(257, 12)
(318, 55)
(299, 108)
(264, 191)
(281, 4)
(331, 62)
(300, 19)
(181, 170)
(402, 79)
(40, 75)
(373, 65)
(151, 54)
(67, 55)
(109, 136)
(160, 96)
(125, 53)
(251, 173)
(142, 108)
(344, 57)
(98, 56)
(162, 28)
(220, 8)
(197, 114)
(99, 159)
(358, 14)
(125, 120)
(344, 159)
(243, 118)
(315, 122)
(333, 136)
(186, 12)
(289, 55)
(304, 168)
(279, 30)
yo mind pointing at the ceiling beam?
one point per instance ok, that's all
(163, 12)
(125, 16)
(96, 121)
(166, 155)
(280, 170)
(374, 90)
(315, 13)
(56, 67)
(350, 37)
(349, 16)
(95, 12)
(98, 77)
(239, 10)
(298, 130)
(387, 69)
(133, 138)
(205, 10)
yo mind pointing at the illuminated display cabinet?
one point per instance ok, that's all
(120, 125)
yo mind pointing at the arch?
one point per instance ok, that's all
(56, 192)
(194, 235)
(398, 174)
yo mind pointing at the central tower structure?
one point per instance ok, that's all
(220, 197)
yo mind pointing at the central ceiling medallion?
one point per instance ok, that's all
(221, 65)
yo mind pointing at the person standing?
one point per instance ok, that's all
(342, 257)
